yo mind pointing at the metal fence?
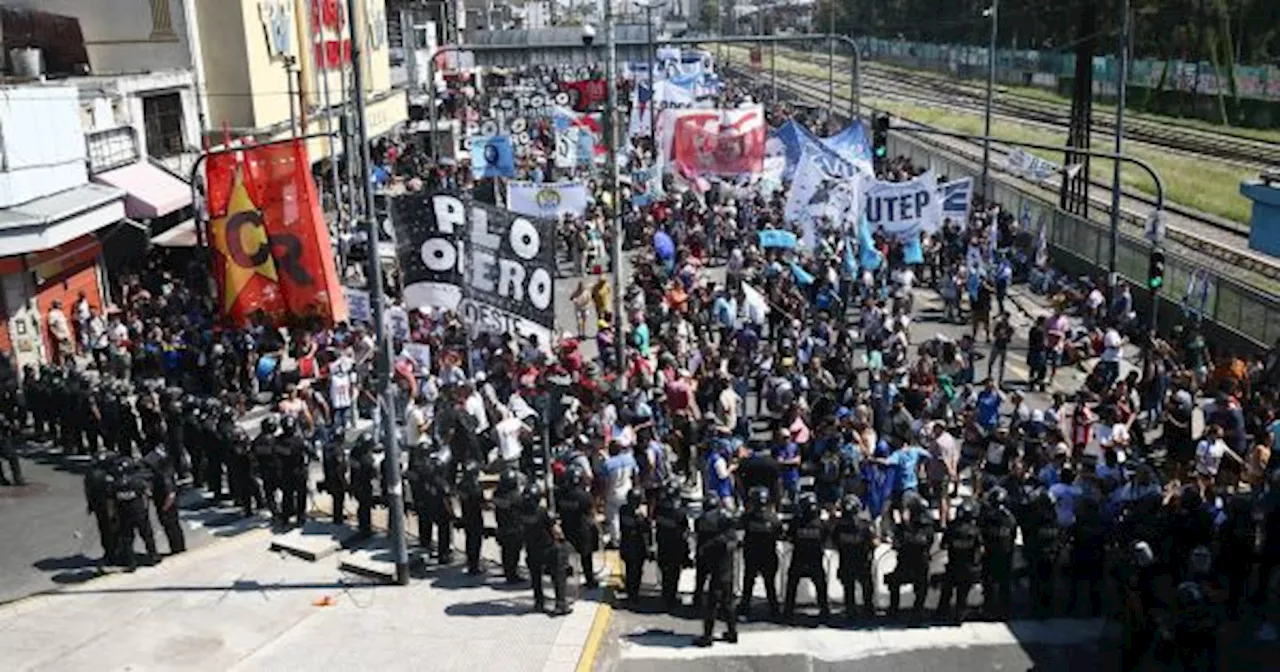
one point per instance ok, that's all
(1244, 311)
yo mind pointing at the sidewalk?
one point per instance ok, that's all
(237, 605)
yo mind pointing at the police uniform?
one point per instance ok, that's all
(761, 531)
(914, 543)
(542, 552)
(963, 542)
(130, 491)
(99, 483)
(578, 522)
(337, 478)
(439, 503)
(717, 544)
(506, 510)
(164, 495)
(240, 472)
(999, 533)
(9, 452)
(808, 536)
(672, 531)
(471, 497)
(855, 541)
(637, 537)
(364, 469)
(266, 465)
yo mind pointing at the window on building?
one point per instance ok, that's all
(162, 21)
(163, 117)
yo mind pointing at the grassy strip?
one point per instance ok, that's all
(1265, 135)
(1204, 185)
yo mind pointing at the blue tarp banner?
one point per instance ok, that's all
(776, 238)
(852, 146)
(802, 276)
(912, 253)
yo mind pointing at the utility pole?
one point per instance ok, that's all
(994, 12)
(382, 377)
(831, 59)
(1122, 88)
(611, 140)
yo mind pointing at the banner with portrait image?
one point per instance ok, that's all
(714, 142)
(496, 267)
(826, 188)
(492, 156)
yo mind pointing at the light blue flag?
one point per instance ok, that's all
(852, 146)
(492, 156)
(850, 261)
(776, 238)
(912, 253)
(868, 256)
(802, 276)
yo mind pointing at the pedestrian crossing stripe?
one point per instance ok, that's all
(836, 645)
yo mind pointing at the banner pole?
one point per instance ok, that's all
(395, 492)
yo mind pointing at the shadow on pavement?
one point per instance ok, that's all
(503, 607)
(234, 587)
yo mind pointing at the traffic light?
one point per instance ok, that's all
(1155, 270)
(879, 138)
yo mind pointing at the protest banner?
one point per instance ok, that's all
(903, 209)
(548, 199)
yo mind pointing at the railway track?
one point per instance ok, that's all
(1221, 249)
(1222, 145)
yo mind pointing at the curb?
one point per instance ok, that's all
(603, 618)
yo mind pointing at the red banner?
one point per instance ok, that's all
(271, 243)
(719, 142)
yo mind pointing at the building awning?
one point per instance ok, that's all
(151, 192)
(59, 218)
(182, 235)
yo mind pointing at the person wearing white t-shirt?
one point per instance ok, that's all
(416, 422)
(508, 431)
(342, 382)
(1209, 454)
(1109, 361)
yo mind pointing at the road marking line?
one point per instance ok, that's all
(600, 624)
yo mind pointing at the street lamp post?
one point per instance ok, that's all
(1122, 91)
(649, 6)
(994, 12)
(611, 140)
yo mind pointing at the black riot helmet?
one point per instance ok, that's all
(212, 406)
(239, 436)
(288, 425)
(758, 496)
(710, 502)
(967, 511)
(509, 480)
(997, 497)
(1190, 595)
(270, 425)
(806, 505)
(851, 506)
(634, 497)
(575, 476)
(533, 493)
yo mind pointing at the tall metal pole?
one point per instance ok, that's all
(611, 139)
(648, 17)
(773, 70)
(395, 492)
(315, 24)
(991, 85)
(1122, 91)
(293, 99)
(831, 59)
(346, 25)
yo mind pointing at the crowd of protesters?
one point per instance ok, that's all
(741, 375)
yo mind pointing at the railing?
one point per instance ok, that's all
(1243, 311)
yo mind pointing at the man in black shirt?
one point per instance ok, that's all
(760, 469)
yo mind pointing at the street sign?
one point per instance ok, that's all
(1155, 227)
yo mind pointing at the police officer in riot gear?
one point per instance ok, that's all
(672, 531)
(336, 477)
(914, 543)
(440, 502)
(544, 549)
(1040, 547)
(292, 450)
(1136, 579)
(717, 543)
(637, 537)
(225, 439)
(855, 540)
(213, 446)
(106, 410)
(164, 489)
(266, 464)
(417, 476)
(761, 531)
(808, 535)
(577, 519)
(240, 471)
(963, 542)
(9, 451)
(471, 499)
(130, 491)
(99, 484)
(175, 431)
(364, 470)
(506, 510)
(999, 531)
(1239, 539)
(193, 435)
